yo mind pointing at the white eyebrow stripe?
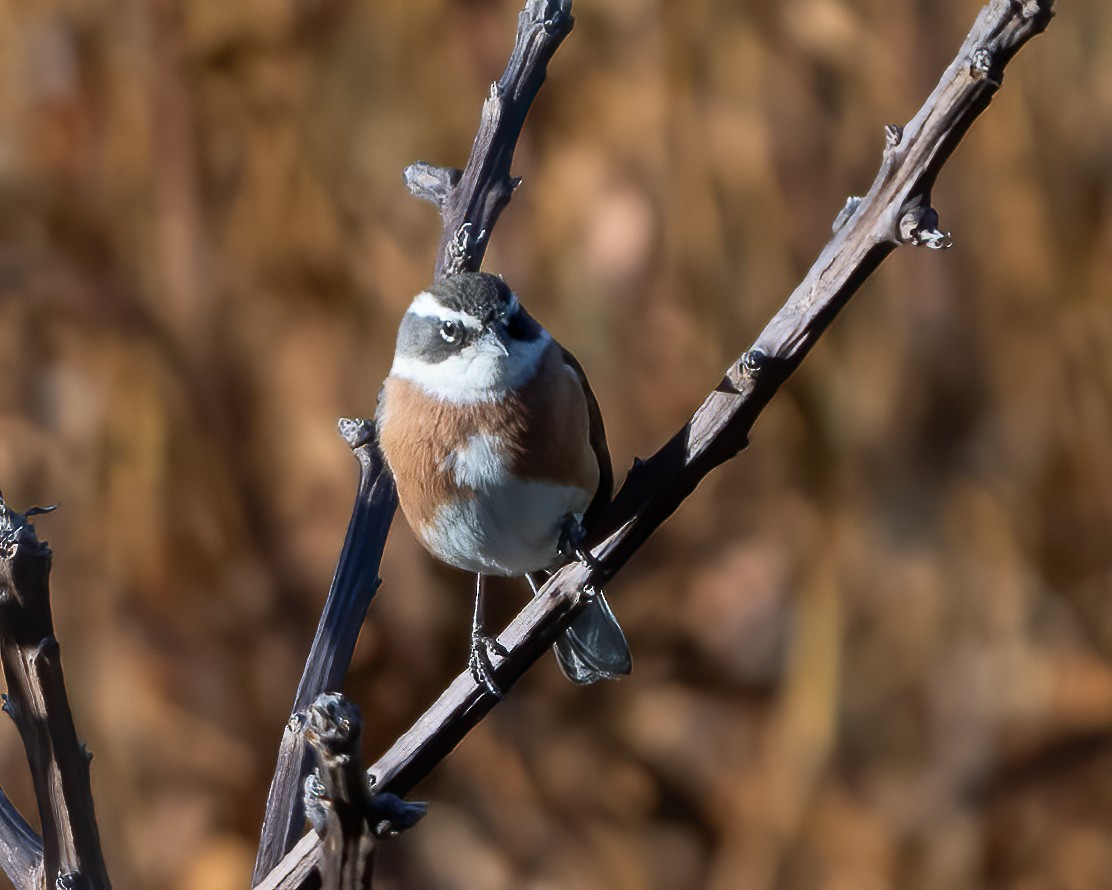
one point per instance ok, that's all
(426, 305)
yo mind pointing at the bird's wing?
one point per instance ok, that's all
(597, 433)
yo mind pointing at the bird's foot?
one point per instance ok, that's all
(482, 670)
(571, 544)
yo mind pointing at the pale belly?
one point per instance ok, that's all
(509, 528)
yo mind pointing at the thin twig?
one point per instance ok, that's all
(353, 585)
(20, 848)
(895, 211)
(38, 703)
(471, 201)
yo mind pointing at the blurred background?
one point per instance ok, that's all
(875, 651)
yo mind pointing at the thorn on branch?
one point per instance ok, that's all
(1029, 8)
(848, 209)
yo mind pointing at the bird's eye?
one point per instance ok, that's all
(450, 331)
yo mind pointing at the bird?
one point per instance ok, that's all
(497, 448)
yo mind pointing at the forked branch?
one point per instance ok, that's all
(896, 210)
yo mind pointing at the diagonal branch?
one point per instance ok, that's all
(38, 703)
(895, 211)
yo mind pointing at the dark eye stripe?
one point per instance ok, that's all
(420, 337)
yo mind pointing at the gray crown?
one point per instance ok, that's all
(478, 294)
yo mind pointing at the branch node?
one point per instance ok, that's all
(463, 247)
(17, 532)
(67, 880)
(356, 432)
(430, 182)
(893, 135)
(980, 63)
(919, 228)
(753, 360)
(314, 796)
(393, 815)
(552, 16)
(935, 239)
(848, 209)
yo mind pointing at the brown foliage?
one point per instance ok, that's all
(872, 652)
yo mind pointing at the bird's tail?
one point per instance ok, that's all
(593, 647)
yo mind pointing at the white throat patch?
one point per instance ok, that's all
(479, 373)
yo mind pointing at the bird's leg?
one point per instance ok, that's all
(572, 538)
(533, 585)
(482, 645)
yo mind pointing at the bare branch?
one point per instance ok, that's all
(38, 703)
(895, 211)
(340, 808)
(353, 585)
(719, 429)
(471, 202)
(20, 848)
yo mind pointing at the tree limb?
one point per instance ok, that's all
(20, 848)
(895, 211)
(471, 201)
(353, 585)
(38, 703)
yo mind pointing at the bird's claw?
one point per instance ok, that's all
(589, 591)
(572, 538)
(478, 661)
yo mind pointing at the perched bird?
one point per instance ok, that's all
(497, 447)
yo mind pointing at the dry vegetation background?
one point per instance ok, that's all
(873, 652)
